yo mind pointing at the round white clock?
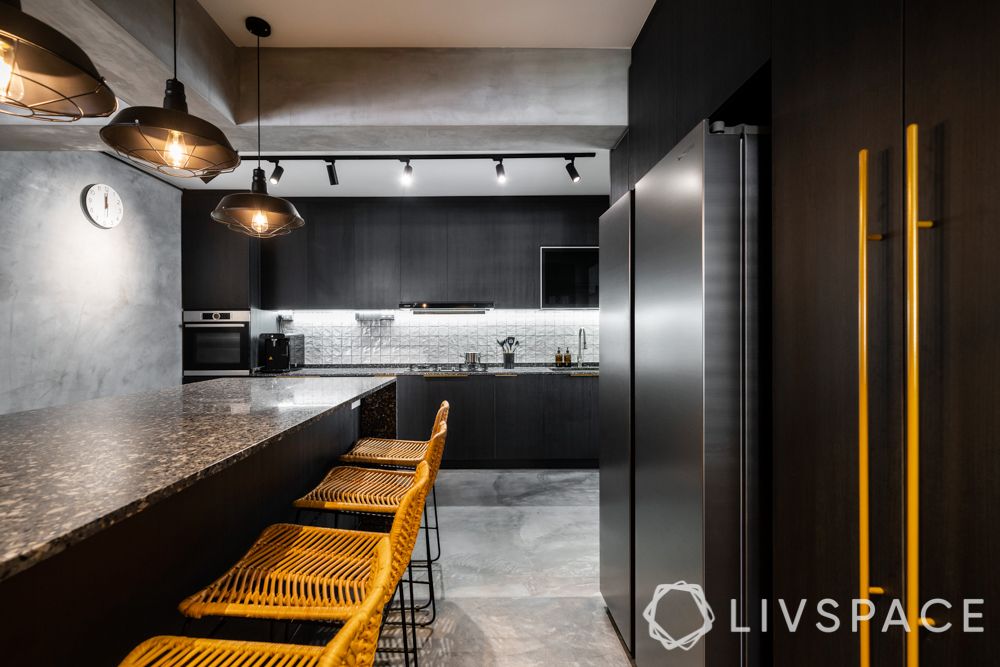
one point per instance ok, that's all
(103, 205)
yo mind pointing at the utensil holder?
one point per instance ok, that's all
(508, 360)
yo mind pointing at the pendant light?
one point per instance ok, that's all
(44, 75)
(168, 138)
(257, 213)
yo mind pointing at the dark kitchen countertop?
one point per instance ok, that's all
(68, 472)
(377, 371)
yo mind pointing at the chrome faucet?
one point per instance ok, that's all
(581, 341)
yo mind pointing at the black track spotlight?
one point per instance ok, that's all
(276, 174)
(407, 178)
(331, 172)
(574, 175)
(501, 172)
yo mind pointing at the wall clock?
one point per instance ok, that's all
(103, 205)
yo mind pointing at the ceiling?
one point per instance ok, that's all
(431, 178)
(437, 23)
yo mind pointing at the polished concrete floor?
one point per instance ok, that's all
(518, 574)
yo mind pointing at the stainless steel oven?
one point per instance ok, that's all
(216, 343)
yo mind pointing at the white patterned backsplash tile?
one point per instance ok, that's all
(335, 337)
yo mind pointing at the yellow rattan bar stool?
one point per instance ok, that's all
(307, 573)
(356, 489)
(403, 454)
(400, 453)
(378, 491)
(355, 644)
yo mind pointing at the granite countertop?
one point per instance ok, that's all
(68, 472)
(376, 371)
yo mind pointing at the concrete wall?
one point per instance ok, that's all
(85, 312)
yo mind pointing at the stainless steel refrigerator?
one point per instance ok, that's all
(695, 387)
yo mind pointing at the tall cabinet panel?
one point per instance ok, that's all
(836, 90)
(952, 83)
(615, 396)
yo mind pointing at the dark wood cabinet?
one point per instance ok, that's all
(374, 252)
(687, 60)
(423, 266)
(952, 93)
(470, 422)
(219, 267)
(519, 418)
(527, 419)
(515, 251)
(836, 90)
(472, 258)
(376, 255)
(330, 255)
(570, 424)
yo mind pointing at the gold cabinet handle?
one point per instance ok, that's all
(913, 225)
(866, 590)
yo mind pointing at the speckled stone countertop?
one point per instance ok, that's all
(68, 472)
(375, 371)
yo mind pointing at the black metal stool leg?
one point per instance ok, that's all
(437, 523)
(413, 619)
(402, 616)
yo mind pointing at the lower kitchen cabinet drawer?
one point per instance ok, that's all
(470, 423)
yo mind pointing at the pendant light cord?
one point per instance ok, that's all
(175, 39)
(258, 100)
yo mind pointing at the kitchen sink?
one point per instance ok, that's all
(571, 369)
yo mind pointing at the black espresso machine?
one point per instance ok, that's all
(279, 352)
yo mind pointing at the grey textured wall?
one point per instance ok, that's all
(84, 311)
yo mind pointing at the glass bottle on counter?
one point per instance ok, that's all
(559, 357)
(567, 358)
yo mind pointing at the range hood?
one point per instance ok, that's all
(447, 307)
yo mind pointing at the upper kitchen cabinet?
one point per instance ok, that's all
(376, 253)
(472, 261)
(705, 50)
(423, 265)
(219, 268)
(330, 254)
(281, 260)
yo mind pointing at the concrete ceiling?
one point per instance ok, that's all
(538, 98)
(431, 178)
(437, 23)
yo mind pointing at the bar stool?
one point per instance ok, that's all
(352, 489)
(307, 573)
(354, 644)
(402, 454)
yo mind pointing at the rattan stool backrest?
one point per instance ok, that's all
(406, 524)
(355, 644)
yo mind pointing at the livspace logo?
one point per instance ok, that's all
(858, 611)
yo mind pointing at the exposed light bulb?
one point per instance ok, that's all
(11, 83)
(259, 222)
(175, 151)
(407, 178)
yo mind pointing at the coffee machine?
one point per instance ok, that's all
(274, 356)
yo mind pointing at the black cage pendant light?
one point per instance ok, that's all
(44, 75)
(257, 213)
(168, 138)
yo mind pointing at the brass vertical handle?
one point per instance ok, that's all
(864, 549)
(865, 589)
(913, 225)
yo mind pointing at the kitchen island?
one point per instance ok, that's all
(114, 509)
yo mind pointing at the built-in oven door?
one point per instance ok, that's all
(216, 344)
